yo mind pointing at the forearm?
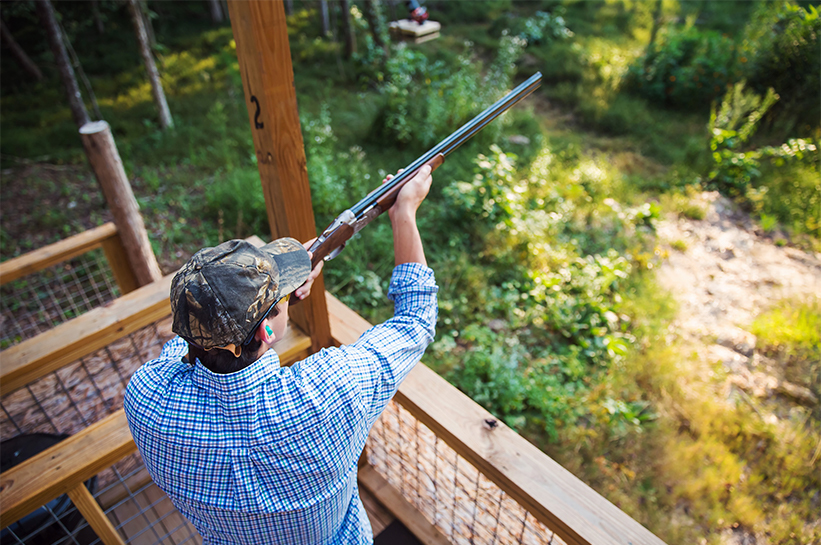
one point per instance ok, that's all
(407, 242)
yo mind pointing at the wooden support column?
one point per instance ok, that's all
(94, 515)
(268, 80)
(105, 161)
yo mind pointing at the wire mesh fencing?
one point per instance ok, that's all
(37, 302)
(68, 400)
(83, 392)
(446, 488)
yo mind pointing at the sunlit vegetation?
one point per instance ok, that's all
(541, 229)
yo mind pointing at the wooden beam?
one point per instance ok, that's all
(557, 498)
(63, 467)
(94, 515)
(58, 252)
(119, 264)
(391, 498)
(268, 80)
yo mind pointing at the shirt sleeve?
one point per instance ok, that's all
(383, 356)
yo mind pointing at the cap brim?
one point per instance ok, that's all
(293, 262)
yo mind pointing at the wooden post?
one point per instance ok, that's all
(268, 80)
(94, 515)
(105, 161)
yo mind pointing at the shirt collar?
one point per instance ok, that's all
(238, 382)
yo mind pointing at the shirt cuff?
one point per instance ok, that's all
(411, 275)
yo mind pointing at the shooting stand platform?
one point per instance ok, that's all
(409, 30)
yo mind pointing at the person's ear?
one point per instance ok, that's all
(265, 333)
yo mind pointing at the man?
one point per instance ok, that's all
(254, 453)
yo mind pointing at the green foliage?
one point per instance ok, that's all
(337, 178)
(736, 171)
(542, 28)
(781, 51)
(475, 11)
(235, 200)
(552, 306)
(791, 333)
(427, 100)
(730, 128)
(688, 69)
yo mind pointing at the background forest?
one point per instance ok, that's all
(542, 230)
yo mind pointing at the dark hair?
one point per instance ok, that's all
(223, 361)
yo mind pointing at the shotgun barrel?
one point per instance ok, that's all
(348, 223)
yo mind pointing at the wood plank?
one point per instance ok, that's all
(58, 252)
(264, 57)
(393, 500)
(557, 498)
(94, 515)
(69, 341)
(378, 514)
(119, 264)
(63, 467)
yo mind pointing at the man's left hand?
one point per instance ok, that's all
(304, 290)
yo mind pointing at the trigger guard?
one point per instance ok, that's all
(335, 253)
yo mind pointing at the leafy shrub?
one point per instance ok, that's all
(553, 309)
(688, 69)
(426, 100)
(781, 51)
(541, 28)
(337, 178)
(734, 170)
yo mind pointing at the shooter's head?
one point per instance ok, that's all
(223, 294)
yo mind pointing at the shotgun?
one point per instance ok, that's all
(332, 240)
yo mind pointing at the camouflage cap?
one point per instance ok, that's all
(222, 293)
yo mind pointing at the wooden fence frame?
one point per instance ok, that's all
(105, 236)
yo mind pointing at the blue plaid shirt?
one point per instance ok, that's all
(269, 454)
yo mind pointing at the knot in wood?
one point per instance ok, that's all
(491, 423)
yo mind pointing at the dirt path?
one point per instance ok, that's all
(725, 277)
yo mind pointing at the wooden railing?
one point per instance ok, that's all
(104, 236)
(448, 469)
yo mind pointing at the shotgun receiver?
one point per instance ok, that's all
(352, 220)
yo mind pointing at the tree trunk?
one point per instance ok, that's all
(148, 24)
(24, 60)
(45, 12)
(108, 168)
(95, 12)
(347, 26)
(289, 7)
(151, 68)
(373, 14)
(656, 24)
(216, 10)
(326, 24)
